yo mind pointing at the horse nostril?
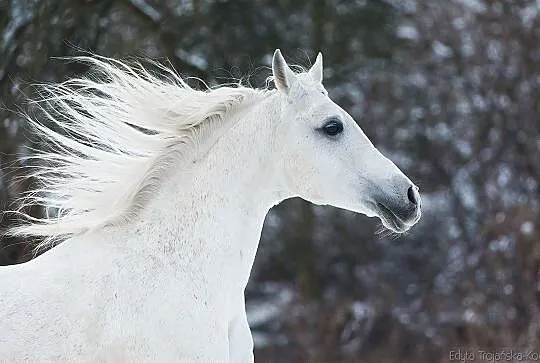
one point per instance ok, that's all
(412, 196)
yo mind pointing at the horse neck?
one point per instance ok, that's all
(217, 206)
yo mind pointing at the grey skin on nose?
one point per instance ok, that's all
(406, 209)
(400, 209)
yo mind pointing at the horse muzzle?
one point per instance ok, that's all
(399, 212)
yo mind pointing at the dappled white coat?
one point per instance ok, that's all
(159, 252)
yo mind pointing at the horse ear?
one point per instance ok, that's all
(316, 71)
(283, 75)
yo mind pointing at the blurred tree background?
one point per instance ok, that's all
(448, 89)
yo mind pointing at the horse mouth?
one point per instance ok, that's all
(390, 220)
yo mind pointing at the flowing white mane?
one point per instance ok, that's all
(121, 134)
(120, 128)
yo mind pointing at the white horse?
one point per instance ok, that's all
(162, 191)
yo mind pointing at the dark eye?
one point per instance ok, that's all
(332, 127)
